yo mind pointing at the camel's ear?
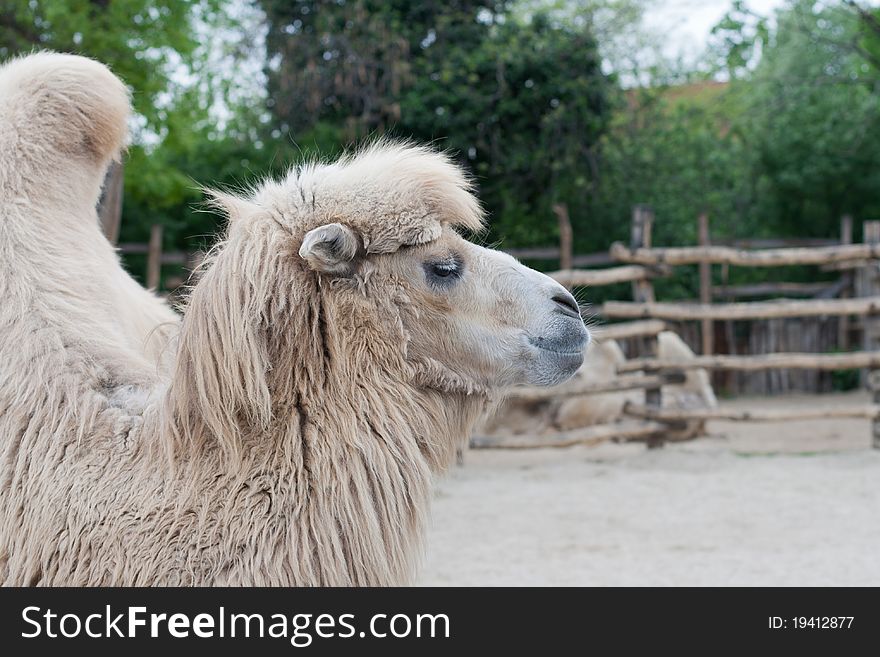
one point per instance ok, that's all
(330, 249)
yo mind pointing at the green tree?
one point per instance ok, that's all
(810, 119)
(525, 111)
(518, 96)
(342, 65)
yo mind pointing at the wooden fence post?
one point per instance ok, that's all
(868, 283)
(565, 236)
(653, 396)
(843, 325)
(110, 204)
(640, 237)
(154, 257)
(707, 326)
(846, 226)
(643, 292)
(732, 380)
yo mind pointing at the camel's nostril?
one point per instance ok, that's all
(567, 304)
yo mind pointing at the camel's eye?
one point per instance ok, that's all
(443, 272)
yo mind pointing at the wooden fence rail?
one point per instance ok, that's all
(692, 255)
(776, 242)
(752, 310)
(772, 289)
(847, 361)
(598, 259)
(866, 411)
(610, 276)
(593, 435)
(637, 329)
(620, 384)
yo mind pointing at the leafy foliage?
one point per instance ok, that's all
(521, 100)
(776, 133)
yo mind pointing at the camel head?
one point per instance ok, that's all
(478, 315)
(474, 318)
(344, 279)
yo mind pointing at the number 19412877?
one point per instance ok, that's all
(810, 622)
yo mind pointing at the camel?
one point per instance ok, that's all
(336, 349)
(574, 411)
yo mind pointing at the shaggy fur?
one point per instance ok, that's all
(290, 441)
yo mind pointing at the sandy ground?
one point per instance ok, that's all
(794, 503)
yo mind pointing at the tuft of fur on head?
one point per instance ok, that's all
(67, 104)
(391, 193)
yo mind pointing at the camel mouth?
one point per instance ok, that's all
(579, 352)
(569, 346)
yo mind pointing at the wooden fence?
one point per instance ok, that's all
(183, 263)
(856, 294)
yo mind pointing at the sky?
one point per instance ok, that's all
(686, 24)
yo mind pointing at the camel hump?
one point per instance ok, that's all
(65, 104)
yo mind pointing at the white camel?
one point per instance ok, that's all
(339, 345)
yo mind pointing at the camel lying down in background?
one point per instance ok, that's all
(339, 345)
(574, 411)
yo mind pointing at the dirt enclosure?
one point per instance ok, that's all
(793, 503)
